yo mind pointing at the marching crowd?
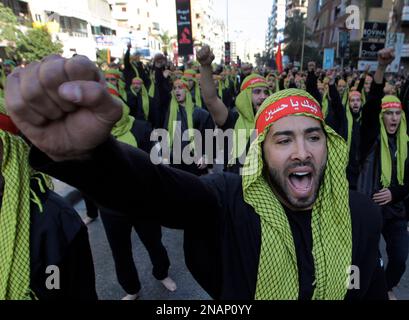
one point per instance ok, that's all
(313, 171)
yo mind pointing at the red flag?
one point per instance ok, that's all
(279, 59)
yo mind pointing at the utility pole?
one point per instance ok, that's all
(302, 50)
(227, 19)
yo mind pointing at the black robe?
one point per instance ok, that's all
(58, 237)
(370, 156)
(222, 237)
(202, 121)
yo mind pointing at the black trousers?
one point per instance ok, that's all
(396, 237)
(118, 230)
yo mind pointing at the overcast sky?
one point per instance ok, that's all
(249, 17)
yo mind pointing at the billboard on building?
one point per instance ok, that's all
(184, 26)
(373, 40)
(343, 45)
(329, 54)
(395, 40)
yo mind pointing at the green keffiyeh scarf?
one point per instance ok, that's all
(152, 86)
(190, 74)
(122, 129)
(173, 116)
(345, 97)
(331, 223)
(121, 83)
(350, 121)
(402, 146)
(363, 96)
(145, 98)
(15, 218)
(220, 89)
(245, 123)
(325, 102)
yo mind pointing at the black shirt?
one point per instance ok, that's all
(300, 224)
(222, 233)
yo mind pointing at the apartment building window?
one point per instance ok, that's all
(96, 30)
(156, 26)
(73, 26)
(123, 9)
(38, 18)
(197, 15)
(156, 3)
(139, 27)
(138, 11)
(147, 14)
(376, 3)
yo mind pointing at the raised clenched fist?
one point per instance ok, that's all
(62, 106)
(386, 56)
(205, 56)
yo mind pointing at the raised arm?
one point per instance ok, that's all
(336, 116)
(214, 104)
(372, 108)
(311, 82)
(127, 59)
(63, 108)
(362, 79)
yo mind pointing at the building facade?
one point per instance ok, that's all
(296, 5)
(208, 27)
(276, 25)
(326, 18)
(75, 23)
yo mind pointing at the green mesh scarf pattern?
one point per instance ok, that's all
(15, 220)
(245, 123)
(173, 117)
(145, 99)
(402, 148)
(331, 224)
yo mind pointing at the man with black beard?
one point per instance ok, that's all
(295, 234)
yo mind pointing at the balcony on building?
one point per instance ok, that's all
(73, 26)
(102, 31)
